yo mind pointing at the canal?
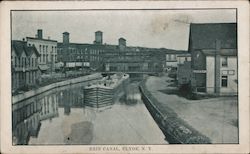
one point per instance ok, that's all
(59, 117)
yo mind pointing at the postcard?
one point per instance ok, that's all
(124, 77)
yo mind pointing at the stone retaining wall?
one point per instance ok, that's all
(31, 93)
(174, 128)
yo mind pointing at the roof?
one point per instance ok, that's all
(203, 36)
(223, 52)
(184, 55)
(114, 48)
(66, 33)
(121, 38)
(171, 51)
(98, 31)
(34, 38)
(21, 46)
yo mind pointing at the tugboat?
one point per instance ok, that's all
(104, 92)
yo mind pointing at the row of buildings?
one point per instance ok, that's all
(109, 58)
(38, 55)
(209, 65)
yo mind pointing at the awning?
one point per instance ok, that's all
(43, 67)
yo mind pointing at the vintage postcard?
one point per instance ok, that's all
(124, 77)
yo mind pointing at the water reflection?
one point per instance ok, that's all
(76, 120)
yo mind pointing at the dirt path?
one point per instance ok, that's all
(216, 117)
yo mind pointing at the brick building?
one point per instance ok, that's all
(134, 59)
(109, 58)
(47, 48)
(213, 48)
(81, 55)
(24, 64)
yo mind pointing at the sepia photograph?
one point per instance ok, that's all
(127, 79)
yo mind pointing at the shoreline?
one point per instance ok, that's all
(20, 97)
(175, 129)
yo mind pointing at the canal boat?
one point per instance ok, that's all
(106, 91)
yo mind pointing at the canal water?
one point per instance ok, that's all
(59, 116)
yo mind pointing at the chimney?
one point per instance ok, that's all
(122, 43)
(40, 33)
(98, 37)
(65, 38)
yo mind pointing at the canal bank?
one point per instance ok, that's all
(215, 118)
(174, 128)
(31, 93)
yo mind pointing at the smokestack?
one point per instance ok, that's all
(98, 37)
(122, 43)
(40, 33)
(65, 38)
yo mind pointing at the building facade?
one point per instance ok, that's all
(213, 48)
(134, 60)
(24, 64)
(184, 72)
(173, 58)
(80, 55)
(47, 48)
(109, 58)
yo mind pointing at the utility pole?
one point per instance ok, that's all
(217, 66)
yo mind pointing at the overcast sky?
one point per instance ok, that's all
(148, 28)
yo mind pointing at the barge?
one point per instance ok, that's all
(104, 92)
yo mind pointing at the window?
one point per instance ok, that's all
(15, 62)
(224, 61)
(28, 63)
(19, 60)
(224, 81)
(23, 64)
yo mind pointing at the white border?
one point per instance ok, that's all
(243, 55)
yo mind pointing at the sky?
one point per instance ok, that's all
(146, 28)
